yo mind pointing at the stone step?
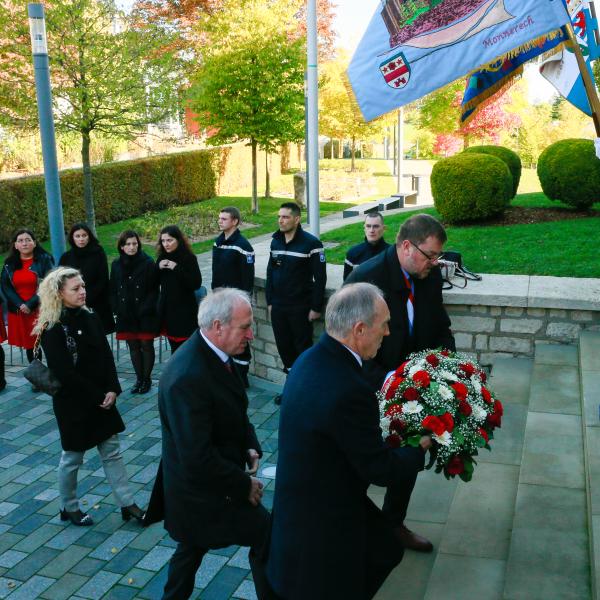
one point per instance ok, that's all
(548, 556)
(589, 365)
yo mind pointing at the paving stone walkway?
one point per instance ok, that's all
(41, 557)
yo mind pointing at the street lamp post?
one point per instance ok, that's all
(312, 119)
(39, 48)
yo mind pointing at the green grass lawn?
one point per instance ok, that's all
(559, 248)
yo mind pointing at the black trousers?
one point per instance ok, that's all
(293, 333)
(2, 359)
(395, 502)
(187, 558)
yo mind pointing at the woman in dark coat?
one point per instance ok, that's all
(79, 356)
(88, 256)
(3, 338)
(134, 293)
(179, 278)
(24, 268)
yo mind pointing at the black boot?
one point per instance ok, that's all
(145, 387)
(136, 388)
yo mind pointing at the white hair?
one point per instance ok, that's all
(219, 306)
(353, 303)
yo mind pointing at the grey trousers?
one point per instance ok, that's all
(114, 468)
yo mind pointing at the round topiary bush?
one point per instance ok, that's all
(470, 187)
(570, 171)
(512, 160)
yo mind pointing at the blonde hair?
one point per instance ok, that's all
(51, 303)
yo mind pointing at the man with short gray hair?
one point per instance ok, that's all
(328, 539)
(210, 452)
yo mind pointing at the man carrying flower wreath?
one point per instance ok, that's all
(329, 540)
(409, 276)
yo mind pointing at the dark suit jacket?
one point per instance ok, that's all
(431, 326)
(330, 450)
(205, 438)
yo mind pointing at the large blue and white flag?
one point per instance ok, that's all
(412, 47)
(562, 69)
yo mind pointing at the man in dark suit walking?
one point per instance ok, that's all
(408, 275)
(211, 500)
(329, 541)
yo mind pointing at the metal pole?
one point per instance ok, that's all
(312, 116)
(400, 170)
(37, 27)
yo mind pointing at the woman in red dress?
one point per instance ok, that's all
(24, 268)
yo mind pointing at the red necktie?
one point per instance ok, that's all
(410, 303)
(228, 366)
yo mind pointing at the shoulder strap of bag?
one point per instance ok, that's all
(38, 339)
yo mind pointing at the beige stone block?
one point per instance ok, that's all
(480, 310)
(582, 315)
(260, 314)
(521, 325)
(265, 332)
(536, 312)
(513, 311)
(563, 331)
(481, 342)
(258, 345)
(510, 344)
(495, 311)
(464, 341)
(557, 313)
(266, 359)
(271, 348)
(473, 324)
(488, 358)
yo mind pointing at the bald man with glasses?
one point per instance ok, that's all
(409, 276)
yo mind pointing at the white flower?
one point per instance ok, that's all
(385, 425)
(479, 413)
(412, 407)
(448, 376)
(445, 392)
(443, 439)
(418, 367)
(476, 383)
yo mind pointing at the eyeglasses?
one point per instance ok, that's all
(430, 257)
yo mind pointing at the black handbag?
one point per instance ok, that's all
(452, 267)
(38, 374)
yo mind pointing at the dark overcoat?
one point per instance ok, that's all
(206, 435)
(325, 530)
(177, 305)
(42, 263)
(92, 263)
(431, 326)
(134, 293)
(81, 421)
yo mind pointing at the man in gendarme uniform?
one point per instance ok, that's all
(233, 266)
(372, 246)
(296, 278)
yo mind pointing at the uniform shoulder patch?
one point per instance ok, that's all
(322, 256)
(249, 258)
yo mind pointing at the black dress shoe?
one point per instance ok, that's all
(412, 540)
(146, 385)
(277, 399)
(2, 384)
(77, 517)
(136, 388)
(127, 512)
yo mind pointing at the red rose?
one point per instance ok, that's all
(486, 394)
(494, 420)
(445, 353)
(397, 425)
(433, 424)
(484, 434)
(400, 369)
(410, 393)
(455, 466)
(482, 376)
(467, 368)
(448, 422)
(393, 441)
(460, 390)
(422, 379)
(433, 360)
(393, 409)
(498, 408)
(391, 391)
(464, 408)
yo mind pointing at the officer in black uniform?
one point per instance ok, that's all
(296, 278)
(233, 266)
(372, 246)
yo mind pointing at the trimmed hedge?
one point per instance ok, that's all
(512, 160)
(130, 188)
(569, 171)
(470, 187)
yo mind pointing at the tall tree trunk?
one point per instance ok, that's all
(88, 195)
(465, 141)
(352, 152)
(267, 176)
(254, 179)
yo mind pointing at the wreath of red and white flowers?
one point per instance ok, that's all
(444, 394)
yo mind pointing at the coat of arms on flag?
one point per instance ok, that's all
(395, 71)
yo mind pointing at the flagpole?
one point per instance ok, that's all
(590, 88)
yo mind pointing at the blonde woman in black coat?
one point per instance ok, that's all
(79, 356)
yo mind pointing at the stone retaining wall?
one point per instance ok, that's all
(502, 315)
